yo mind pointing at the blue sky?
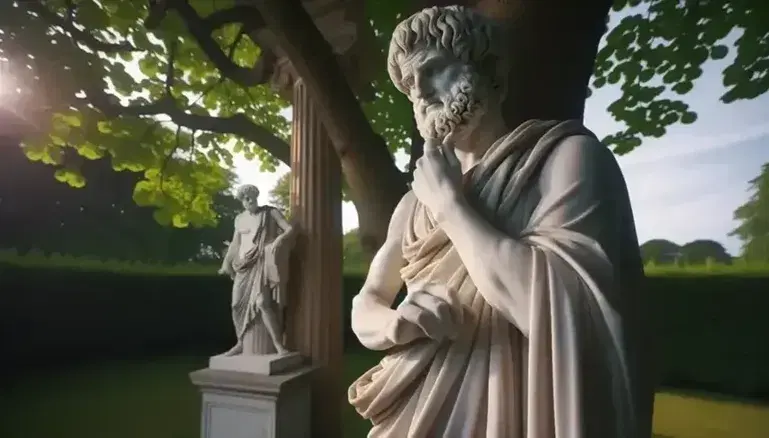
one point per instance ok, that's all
(683, 186)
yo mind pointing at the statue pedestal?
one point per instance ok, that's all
(265, 364)
(249, 405)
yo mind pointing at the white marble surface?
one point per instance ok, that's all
(265, 364)
(248, 405)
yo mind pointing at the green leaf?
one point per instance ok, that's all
(646, 75)
(614, 76)
(149, 66)
(688, 118)
(52, 155)
(70, 177)
(178, 221)
(599, 82)
(163, 216)
(683, 87)
(719, 52)
(104, 127)
(72, 118)
(90, 151)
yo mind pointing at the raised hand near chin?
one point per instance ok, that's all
(438, 178)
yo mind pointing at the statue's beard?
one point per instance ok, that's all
(457, 111)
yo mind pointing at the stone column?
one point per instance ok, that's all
(314, 319)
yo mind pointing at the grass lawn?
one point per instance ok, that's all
(157, 400)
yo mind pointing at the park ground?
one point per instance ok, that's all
(155, 399)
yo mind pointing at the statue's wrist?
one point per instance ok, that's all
(449, 206)
(403, 331)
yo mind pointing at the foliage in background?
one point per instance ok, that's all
(96, 264)
(696, 252)
(355, 258)
(754, 219)
(164, 99)
(98, 220)
(152, 101)
(280, 195)
(656, 52)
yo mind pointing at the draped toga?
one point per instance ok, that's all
(576, 370)
(257, 270)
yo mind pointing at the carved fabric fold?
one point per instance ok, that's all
(256, 272)
(549, 360)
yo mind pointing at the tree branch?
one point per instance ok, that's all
(170, 73)
(76, 34)
(202, 28)
(237, 124)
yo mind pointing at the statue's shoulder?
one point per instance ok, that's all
(582, 145)
(240, 217)
(270, 211)
(402, 214)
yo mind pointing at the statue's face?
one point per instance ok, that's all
(445, 93)
(250, 202)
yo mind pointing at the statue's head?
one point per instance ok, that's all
(248, 195)
(449, 63)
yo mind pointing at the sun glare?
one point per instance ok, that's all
(6, 79)
(9, 88)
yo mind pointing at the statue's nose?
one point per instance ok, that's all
(423, 87)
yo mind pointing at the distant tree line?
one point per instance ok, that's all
(753, 217)
(697, 252)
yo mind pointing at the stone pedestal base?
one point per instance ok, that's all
(267, 364)
(247, 405)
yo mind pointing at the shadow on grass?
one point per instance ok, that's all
(126, 399)
(155, 399)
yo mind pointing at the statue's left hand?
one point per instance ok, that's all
(272, 247)
(437, 178)
(227, 272)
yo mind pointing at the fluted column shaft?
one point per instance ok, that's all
(314, 325)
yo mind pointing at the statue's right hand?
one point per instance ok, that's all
(430, 313)
(227, 272)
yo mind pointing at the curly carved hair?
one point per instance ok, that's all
(463, 32)
(246, 189)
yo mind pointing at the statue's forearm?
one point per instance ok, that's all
(489, 256)
(287, 231)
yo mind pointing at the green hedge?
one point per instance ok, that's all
(711, 331)
(56, 315)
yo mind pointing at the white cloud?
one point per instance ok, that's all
(681, 145)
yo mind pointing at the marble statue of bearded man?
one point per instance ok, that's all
(257, 260)
(518, 249)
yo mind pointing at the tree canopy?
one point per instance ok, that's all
(656, 54)
(144, 82)
(280, 195)
(754, 219)
(660, 251)
(99, 220)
